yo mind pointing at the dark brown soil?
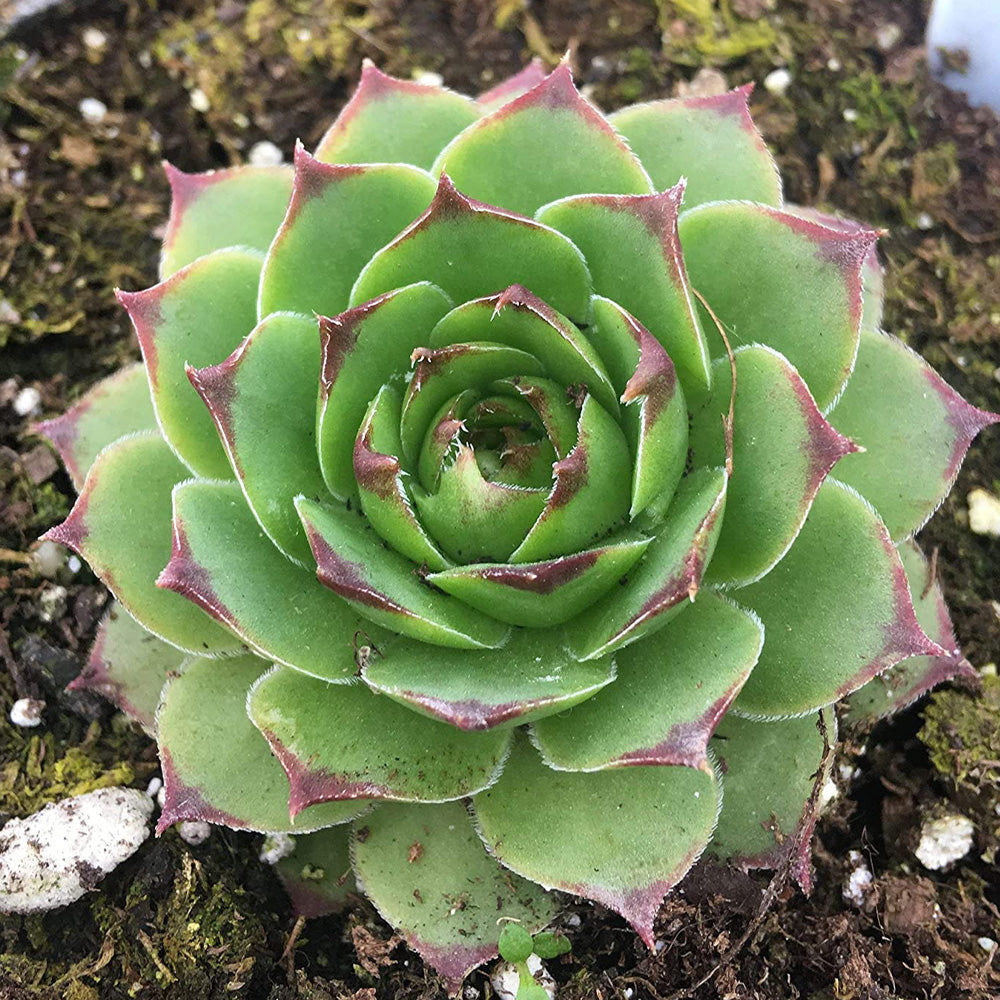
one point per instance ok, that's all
(81, 206)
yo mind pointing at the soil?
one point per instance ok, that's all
(861, 130)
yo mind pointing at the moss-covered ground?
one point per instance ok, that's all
(860, 130)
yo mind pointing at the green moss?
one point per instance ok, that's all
(714, 34)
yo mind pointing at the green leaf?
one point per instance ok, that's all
(530, 676)
(712, 141)
(274, 372)
(645, 827)
(552, 405)
(128, 666)
(516, 157)
(836, 610)
(470, 250)
(114, 407)
(542, 594)
(657, 427)
(439, 375)
(197, 317)
(783, 449)
(769, 771)
(121, 525)
(773, 278)
(670, 694)
(317, 876)
(515, 943)
(519, 319)
(551, 944)
(209, 211)
(383, 586)
(362, 349)
(384, 496)
(667, 575)
(591, 491)
(914, 427)
(474, 519)
(395, 121)
(902, 684)
(216, 766)
(306, 270)
(428, 875)
(514, 86)
(323, 736)
(224, 563)
(633, 251)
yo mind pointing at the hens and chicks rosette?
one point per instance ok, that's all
(436, 525)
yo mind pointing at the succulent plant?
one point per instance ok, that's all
(491, 579)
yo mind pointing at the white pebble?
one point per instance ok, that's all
(850, 114)
(161, 796)
(828, 793)
(52, 603)
(199, 100)
(56, 855)
(573, 920)
(888, 35)
(73, 564)
(987, 943)
(944, 840)
(470, 993)
(93, 110)
(984, 513)
(27, 712)
(8, 314)
(428, 78)
(925, 221)
(834, 65)
(778, 81)
(47, 559)
(94, 38)
(27, 401)
(265, 154)
(859, 883)
(154, 786)
(275, 847)
(506, 979)
(194, 831)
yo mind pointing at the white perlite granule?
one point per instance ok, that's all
(56, 855)
(944, 840)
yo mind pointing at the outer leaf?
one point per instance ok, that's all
(591, 491)
(114, 407)
(121, 525)
(634, 255)
(426, 871)
(531, 676)
(837, 611)
(769, 769)
(223, 562)
(317, 876)
(902, 684)
(507, 157)
(914, 427)
(783, 449)
(209, 211)
(519, 319)
(712, 141)
(670, 694)
(216, 766)
(471, 249)
(128, 666)
(658, 426)
(383, 587)
(774, 278)
(384, 497)
(196, 317)
(273, 373)
(645, 827)
(322, 734)
(669, 573)
(542, 594)
(395, 121)
(362, 349)
(337, 218)
(514, 86)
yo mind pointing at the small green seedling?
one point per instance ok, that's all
(517, 945)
